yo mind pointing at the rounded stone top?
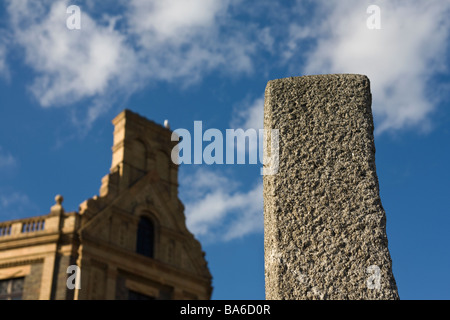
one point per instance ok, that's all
(59, 199)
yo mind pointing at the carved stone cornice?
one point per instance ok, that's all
(20, 262)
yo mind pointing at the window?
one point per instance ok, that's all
(133, 295)
(5, 230)
(145, 237)
(11, 289)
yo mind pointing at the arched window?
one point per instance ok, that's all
(145, 237)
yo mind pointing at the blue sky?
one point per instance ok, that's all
(210, 60)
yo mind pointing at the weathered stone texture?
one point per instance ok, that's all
(60, 290)
(32, 284)
(323, 217)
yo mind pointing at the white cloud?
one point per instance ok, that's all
(179, 39)
(216, 210)
(157, 40)
(173, 20)
(71, 65)
(12, 199)
(250, 115)
(297, 34)
(3, 67)
(15, 205)
(5, 41)
(183, 40)
(6, 159)
(400, 59)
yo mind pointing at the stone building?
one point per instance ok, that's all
(130, 242)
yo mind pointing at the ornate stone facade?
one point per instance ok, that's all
(103, 237)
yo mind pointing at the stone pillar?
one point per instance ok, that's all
(111, 277)
(324, 225)
(48, 269)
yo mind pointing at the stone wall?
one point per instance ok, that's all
(32, 283)
(60, 290)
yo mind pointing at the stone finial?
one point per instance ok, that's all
(59, 199)
(57, 208)
(166, 124)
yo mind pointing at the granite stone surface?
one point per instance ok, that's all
(324, 224)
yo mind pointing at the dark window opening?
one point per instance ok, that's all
(11, 289)
(145, 238)
(133, 295)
